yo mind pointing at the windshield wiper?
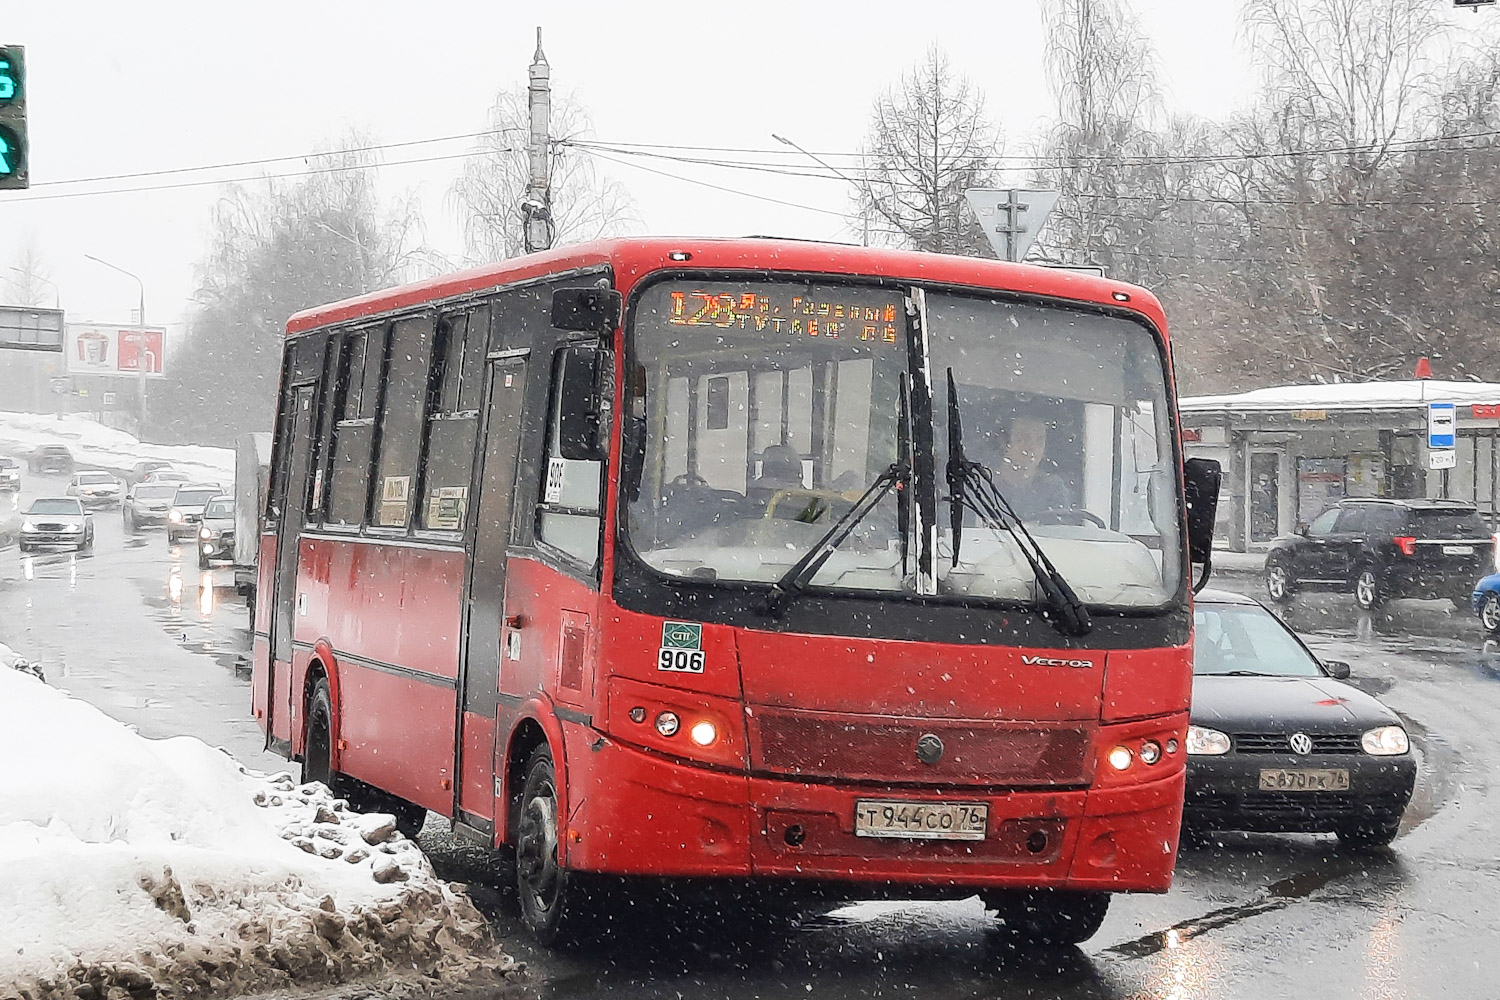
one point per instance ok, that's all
(972, 486)
(897, 477)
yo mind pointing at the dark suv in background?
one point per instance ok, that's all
(1381, 549)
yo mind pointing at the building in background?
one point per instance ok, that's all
(1291, 451)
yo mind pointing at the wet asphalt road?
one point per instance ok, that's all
(140, 632)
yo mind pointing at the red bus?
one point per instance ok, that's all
(751, 560)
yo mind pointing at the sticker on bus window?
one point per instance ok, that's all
(446, 509)
(395, 493)
(681, 648)
(556, 469)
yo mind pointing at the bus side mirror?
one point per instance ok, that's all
(587, 310)
(586, 398)
(1200, 479)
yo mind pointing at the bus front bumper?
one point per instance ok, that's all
(639, 813)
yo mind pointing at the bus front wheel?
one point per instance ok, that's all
(548, 895)
(1050, 916)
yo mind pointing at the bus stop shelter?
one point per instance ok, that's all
(1289, 452)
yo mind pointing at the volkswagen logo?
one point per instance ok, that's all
(929, 749)
(1301, 743)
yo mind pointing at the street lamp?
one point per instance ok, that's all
(56, 292)
(140, 346)
(863, 215)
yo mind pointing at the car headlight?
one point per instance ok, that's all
(1204, 742)
(1387, 741)
(175, 517)
(28, 525)
(72, 528)
(206, 534)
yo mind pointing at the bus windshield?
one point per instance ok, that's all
(760, 411)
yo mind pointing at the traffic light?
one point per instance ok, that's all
(13, 173)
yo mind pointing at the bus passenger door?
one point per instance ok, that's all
(288, 536)
(484, 604)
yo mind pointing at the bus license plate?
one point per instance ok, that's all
(1304, 780)
(921, 820)
(1458, 550)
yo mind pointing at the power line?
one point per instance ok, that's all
(377, 147)
(717, 187)
(1434, 143)
(251, 177)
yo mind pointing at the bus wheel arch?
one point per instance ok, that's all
(535, 729)
(320, 668)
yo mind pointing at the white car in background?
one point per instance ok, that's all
(95, 489)
(57, 521)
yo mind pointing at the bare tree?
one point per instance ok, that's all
(27, 280)
(929, 142)
(275, 248)
(1103, 155)
(487, 195)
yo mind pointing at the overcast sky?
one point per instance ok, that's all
(152, 85)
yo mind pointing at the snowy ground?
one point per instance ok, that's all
(163, 867)
(94, 444)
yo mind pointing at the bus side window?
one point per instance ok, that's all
(449, 460)
(354, 428)
(400, 422)
(568, 515)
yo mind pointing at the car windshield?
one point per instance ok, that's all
(95, 478)
(155, 492)
(763, 410)
(1246, 638)
(219, 508)
(7, 463)
(193, 498)
(55, 506)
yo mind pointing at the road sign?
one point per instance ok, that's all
(1442, 458)
(25, 329)
(13, 137)
(1441, 420)
(96, 349)
(1011, 217)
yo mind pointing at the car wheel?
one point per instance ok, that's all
(1049, 916)
(1369, 834)
(550, 900)
(1489, 613)
(1279, 583)
(1368, 592)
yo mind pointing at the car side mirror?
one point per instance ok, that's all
(586, 403)
(1337, 669)
(1201, 478)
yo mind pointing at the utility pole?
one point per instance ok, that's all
(537, 208)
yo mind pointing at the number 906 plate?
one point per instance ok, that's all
(921, 820)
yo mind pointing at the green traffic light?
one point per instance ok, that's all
(10, 153)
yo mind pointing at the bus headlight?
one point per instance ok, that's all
(703, 733)
(1204, 742)
(1119, 758)
(1387, 741)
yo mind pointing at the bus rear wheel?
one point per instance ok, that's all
(1050, 916)
(317, 765)
(549, 897)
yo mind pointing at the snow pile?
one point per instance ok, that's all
(94, 444)
(146, 867)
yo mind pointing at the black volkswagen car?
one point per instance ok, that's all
(1278, 743)
(1385, 548)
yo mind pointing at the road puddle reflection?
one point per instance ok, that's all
(206, 594)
